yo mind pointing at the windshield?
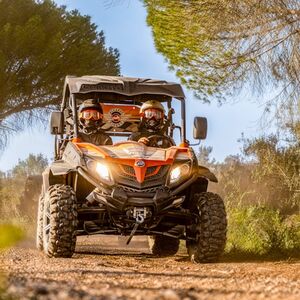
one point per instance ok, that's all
(122, 117)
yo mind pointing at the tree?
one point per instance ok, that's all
(40, 44)
(204, 156)
(20, 187)
(277, 170)
(32, 165)
(218, 46)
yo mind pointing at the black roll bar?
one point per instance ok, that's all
(183, 119)
(75, 115)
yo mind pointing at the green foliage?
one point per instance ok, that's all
(15, 201)
(261, 230)
(32, 165)
(277, 171)
(236, 184)
(9, 235)
(267, 174)
(40, 44)
(218, 46)
(10, 195)
(179, 34)
(261, 192)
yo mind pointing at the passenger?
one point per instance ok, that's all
(152, 126)
(91, 120)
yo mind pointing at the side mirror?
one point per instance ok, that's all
(200, 128)
(56, 122)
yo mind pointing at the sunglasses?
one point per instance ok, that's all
(90, 115)
(153, 113)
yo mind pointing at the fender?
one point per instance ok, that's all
(206, 173)
(61, 167)
(55, 173)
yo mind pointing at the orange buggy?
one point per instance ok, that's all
(128, 188)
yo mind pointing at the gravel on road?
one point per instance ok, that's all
(105, 268)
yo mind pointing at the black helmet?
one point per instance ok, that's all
(90, 115)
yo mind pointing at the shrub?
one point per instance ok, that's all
(276, 172)
(9, 235)
(16, 194)
(262, 231)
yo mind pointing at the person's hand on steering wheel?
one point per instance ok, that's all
(144, 140)
(156, 140)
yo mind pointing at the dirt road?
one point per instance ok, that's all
(102, 270)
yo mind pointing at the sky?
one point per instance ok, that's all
(125, 28)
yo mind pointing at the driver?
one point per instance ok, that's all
(152, 126)
(91, 120)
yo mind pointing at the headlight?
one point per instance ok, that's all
(179, 172)
(101, 169)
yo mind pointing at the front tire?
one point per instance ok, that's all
(164, 245)
(210, 229)
(59, 221)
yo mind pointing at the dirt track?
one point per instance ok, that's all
(102, 270)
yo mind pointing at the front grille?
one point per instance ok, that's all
(125, 176)
(151, 170)
(162, 171)
(128, 170)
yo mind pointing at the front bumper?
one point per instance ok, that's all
(119, 200)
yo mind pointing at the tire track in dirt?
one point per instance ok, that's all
(103, 268)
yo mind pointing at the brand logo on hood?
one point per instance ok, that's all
(140, 163)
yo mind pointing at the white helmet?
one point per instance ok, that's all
(152, 115)
(152, 104)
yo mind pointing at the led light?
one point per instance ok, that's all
(179, 172)
(103, 171)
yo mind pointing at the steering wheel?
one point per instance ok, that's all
(156, 138)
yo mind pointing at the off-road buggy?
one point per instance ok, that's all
(129, 188)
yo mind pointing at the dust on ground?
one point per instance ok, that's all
(105, 268)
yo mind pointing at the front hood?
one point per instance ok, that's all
(135, 151)
(138, 163)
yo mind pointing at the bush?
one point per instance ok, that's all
(261, 193)
(16, 201)
(10, 194)
(9, 235)
(276, 171)
(262, 231)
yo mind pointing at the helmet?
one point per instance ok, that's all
(90, 115)
(152, 115)
(152, 104)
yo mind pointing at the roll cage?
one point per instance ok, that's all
(127, 91)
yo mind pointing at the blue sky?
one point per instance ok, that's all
(125, 28)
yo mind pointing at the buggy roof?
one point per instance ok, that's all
(127, 86)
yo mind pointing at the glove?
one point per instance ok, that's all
(144, 140)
